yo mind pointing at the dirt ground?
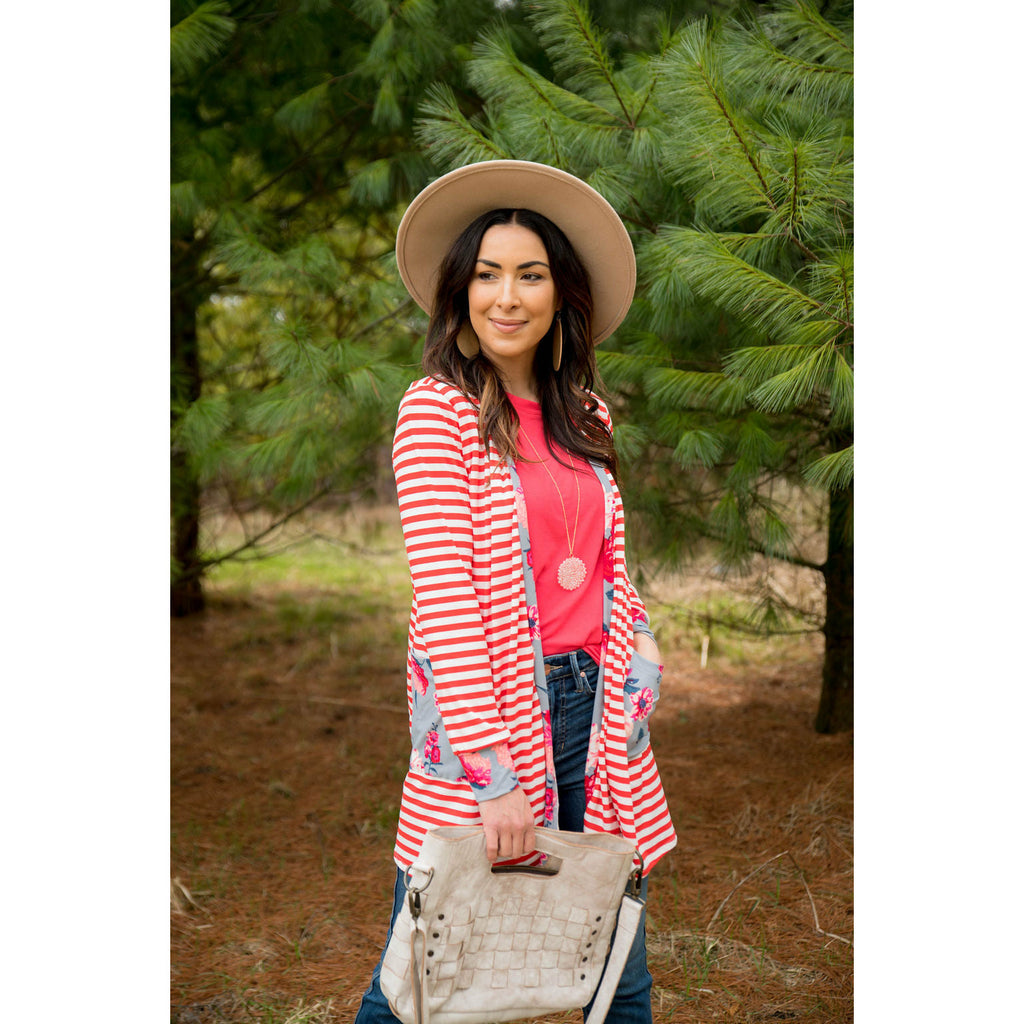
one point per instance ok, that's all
(289, 744)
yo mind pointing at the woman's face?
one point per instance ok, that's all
(512, 297)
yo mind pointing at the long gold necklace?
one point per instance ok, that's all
(571, 571)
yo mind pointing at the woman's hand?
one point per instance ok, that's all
(508, 825)
(646, 648)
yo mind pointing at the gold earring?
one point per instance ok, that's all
(468, 342)
(556, 343)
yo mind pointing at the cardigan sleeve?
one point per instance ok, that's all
(431, 460)
(638, 611)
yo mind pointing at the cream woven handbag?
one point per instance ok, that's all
(476, 946)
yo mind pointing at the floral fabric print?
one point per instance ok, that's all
(432, 748)
(550, 798)
(643, 703)
(489, 771)
(419, 676)
(533, 617)
(641, 689)
(591, 766)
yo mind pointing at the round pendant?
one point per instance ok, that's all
(571, 573)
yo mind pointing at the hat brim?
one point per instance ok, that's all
(439, 214)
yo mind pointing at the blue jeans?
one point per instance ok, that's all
(572, 680)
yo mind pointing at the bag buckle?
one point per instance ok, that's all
(635, 878)
(414, 891)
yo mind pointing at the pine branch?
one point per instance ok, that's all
(745, 147)
(541, 120)
(686, 388)
(645, 99)
(499, 75)
(799, 72)
(699, 446)
(832, 472)
(651, 66)
(791, 73)
(448, 135)
(694, 47)
(185, 248)
(845, 272)
(822, 370)
(574, 44)
(372, 326)
(758, 298)
(831, 282)
(732, 624)
(711, 533)
(600, 56)
(756, 364)
(304, 157)
(558, 157)
(794, 193)
(797, 16)
(200, 36)
(201, 566)
(708, 146)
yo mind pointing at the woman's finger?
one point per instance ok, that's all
(508, 825)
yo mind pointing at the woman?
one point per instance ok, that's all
(532, 668)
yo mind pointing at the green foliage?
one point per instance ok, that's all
(803, 55)
(834, 472)
(292, 338)
(200, 36)
(727, 149)
(300, 129)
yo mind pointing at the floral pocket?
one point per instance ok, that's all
(432, 754)
(641, 692)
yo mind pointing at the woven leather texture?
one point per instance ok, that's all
(512, 942)
(510, 946)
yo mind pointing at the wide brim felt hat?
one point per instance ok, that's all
(439, 214)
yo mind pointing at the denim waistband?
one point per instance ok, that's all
(572, 663)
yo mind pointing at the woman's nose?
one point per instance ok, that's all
(508, 295)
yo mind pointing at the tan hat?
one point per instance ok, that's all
(439, 214)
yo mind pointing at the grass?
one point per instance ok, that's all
(682, 624)
(334, 570)
(233, 1009)
(328, 551)
(324, 579)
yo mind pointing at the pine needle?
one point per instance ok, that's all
(200, 36)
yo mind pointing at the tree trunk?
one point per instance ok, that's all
(835, 708)
(186, 581)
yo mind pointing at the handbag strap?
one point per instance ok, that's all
(418, 945)
(625, 931)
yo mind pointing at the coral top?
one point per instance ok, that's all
(572, 618)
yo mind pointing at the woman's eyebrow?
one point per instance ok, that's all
(522, 266)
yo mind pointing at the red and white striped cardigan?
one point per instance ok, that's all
(469, 625)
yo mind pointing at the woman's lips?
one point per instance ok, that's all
(507, 326)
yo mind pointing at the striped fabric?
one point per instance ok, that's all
(469, 622)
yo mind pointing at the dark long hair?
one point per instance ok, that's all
(566, 397)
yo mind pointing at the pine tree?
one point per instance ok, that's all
(727, 150)
(291, 338)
